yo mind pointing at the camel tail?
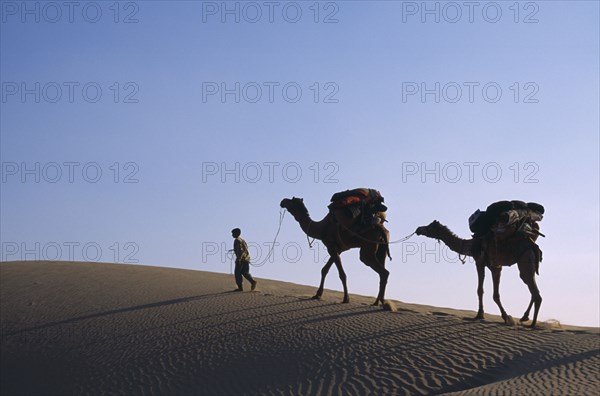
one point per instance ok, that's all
(382, 252)
(538, 254)
(384, 248)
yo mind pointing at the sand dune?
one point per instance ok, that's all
(118, 329)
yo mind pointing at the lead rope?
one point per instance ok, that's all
(310, 243)
(462, 260)
(281, 216)
(403, 239)
(231, 255)
(381, 243)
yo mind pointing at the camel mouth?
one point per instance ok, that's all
(419, 230)
(283, 203)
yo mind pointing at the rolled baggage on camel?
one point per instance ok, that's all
(501, 215)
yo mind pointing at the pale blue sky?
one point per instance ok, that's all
(369, 135)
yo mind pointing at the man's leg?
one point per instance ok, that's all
(246, 273)
(238, 275)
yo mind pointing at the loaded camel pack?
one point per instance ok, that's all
(507, 220)
(364, 206)
(504, 219)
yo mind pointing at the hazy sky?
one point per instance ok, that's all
(144, 131)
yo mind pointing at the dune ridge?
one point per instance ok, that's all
(95, 328)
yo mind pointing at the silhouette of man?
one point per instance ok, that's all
(242, 260)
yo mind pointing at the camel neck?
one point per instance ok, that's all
(455, 243)
(313, 229)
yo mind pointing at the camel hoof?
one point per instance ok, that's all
(479, 316)
(345, 301)
(524, 319)
(533, 326)
(316, 297)
(509, 321)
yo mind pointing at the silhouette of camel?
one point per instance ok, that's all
(495, 255)
(338, 234)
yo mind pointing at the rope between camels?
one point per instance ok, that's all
(382, 243)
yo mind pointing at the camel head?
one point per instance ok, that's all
(432, 230)
(295, 206)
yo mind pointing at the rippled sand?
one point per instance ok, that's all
(118, 329)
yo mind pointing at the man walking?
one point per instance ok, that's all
(242, 260)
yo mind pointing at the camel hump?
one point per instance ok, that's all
(480, 222)
(367, 194)
(358, 196)
(536, 207)
(361, 205)
(504, 218)
(496, 208)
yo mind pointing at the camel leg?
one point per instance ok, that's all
(527, 274)
(537, 300)
(383, 278)
(324, 272)
(369, 257)
(338, 264)
(480, 278)
(496, 280)
(525, 317)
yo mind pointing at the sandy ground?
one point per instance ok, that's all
(90, 328)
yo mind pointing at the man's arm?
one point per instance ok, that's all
(237, 249)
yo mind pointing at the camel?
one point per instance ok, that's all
(337, 233)
(495, 255)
